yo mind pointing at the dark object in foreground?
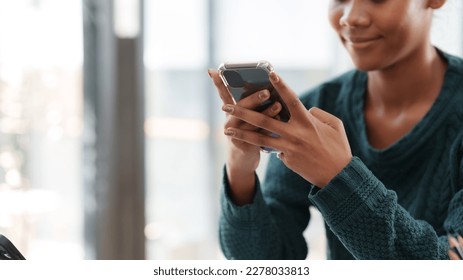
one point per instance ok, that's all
(8, 251)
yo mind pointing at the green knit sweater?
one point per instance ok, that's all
(396, 203)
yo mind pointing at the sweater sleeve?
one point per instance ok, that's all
(272, 226)
(368, 220)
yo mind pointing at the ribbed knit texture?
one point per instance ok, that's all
(396, 203)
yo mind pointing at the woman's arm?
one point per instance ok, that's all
(368, 220)
(259, 223)
(272, 226)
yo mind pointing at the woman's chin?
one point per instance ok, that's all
(365, 65)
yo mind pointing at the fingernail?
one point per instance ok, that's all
(274, 77)
(228, 108)
(229, 132)
(275, 107)
(453, 241)
(209, 71)
(264, 94)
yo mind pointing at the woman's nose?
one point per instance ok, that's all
(355, 14)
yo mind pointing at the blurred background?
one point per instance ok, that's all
(111, 143)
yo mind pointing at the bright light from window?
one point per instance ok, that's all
(176, 129)
(126, 18)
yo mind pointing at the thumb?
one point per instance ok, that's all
(326, 118)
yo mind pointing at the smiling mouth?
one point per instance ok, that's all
(360, 42)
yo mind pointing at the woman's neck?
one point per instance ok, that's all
(417, 78)
(400, 96)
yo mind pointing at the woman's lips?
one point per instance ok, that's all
(360, 42)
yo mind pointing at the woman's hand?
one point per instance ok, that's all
(456, 245)
(313, 143)
(243, 158)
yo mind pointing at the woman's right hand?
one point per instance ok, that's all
(242, 158)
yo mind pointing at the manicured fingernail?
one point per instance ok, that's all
(274, 77)
(209, 71)
(229, 132)
(228, 108)
(275, 107)
(452, 240)
(264, 94)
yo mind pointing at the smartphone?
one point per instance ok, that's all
(244, 79)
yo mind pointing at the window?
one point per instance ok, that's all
(40, 127)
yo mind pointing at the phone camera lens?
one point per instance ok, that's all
(234, 79)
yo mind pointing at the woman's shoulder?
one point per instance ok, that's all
(453, 81)
(455, 62)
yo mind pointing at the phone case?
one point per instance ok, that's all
(245, 78)
(250, 77)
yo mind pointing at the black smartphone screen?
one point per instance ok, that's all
(243, 82)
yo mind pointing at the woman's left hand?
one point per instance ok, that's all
(313, 143)
(456, 246)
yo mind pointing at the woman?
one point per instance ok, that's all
(377, 150)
